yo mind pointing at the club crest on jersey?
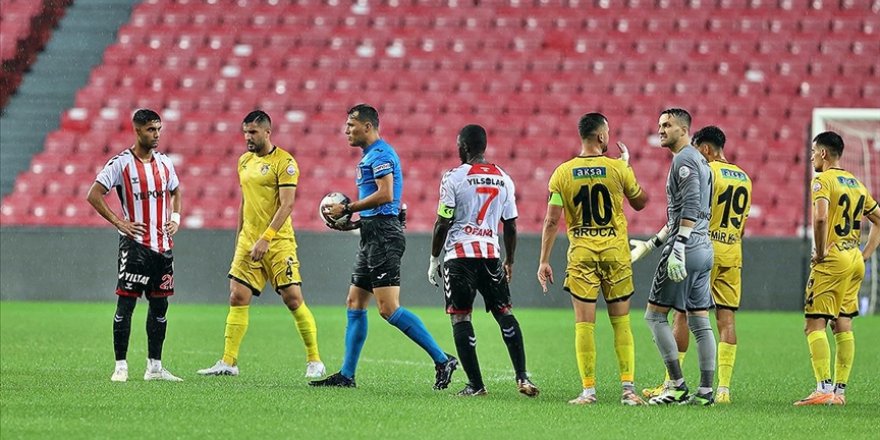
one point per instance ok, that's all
(264, 169)
(588, 172)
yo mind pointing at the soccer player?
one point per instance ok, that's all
(265, 247)
(682, 277)
(590, 189)
(838, 267)
(377, 268)
(732, 189)
(144, 180)
(474, 197)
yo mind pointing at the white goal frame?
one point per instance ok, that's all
(820, 115)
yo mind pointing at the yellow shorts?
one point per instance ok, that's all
(584, 278)
(833, 288)
(280, 266)
(726, 286)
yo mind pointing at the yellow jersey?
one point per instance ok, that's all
(848, 202)
(591, 191)
(260, 179)
(731, 201)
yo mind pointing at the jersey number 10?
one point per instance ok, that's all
(590, 199)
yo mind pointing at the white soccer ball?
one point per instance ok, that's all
(330, 199)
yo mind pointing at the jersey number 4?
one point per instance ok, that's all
(595, 204)
(849, 221)
(735, 200)
(492, 193)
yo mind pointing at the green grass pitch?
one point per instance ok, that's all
(56, 360)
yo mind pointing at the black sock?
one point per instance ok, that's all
(512, 336)
(156, 325)
(466, 346)
(122, 325)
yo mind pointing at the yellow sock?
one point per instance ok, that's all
(820, 355)
(585, 351)
(846, 350)
(236, 327)
(623, 346)
(680, 362)
(308, 331)
(726, 358)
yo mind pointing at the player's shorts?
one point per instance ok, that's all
(381, 248)
(584, 278)
(726, 286)
(692, 293)
(463, 277)
(143, 271)
(279, 266)
(833, 287)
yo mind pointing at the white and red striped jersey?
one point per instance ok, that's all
(480, 195)
(143, 189)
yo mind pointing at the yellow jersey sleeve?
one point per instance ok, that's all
(286, 170)
(820, 188)
(631, 188)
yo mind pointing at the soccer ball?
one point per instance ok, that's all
(330, 199)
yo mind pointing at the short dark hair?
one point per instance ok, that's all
(831, 141)
(365, 113)
(258, 117)
(144, 115)
(679, 113)
(474, 136)
(589, 123)
(710, 134)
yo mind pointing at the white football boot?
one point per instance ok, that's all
(315, 370)
(220, 369)
(120, 373)
(155, 371)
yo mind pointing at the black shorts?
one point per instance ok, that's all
(143, 271)
(381, 248)
(462, 277)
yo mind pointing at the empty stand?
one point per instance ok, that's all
(524, 69)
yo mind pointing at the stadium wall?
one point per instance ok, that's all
(80, 265)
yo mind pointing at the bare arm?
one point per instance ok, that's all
(639, 201)
(548, 238)
(874, 235)
(96, 199)
(441, 229)
(509, 246)
(820, 229)
(286, 196)
(171, 227)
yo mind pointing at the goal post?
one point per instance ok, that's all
(860, 130)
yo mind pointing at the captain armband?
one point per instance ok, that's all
(555, 199)
(445, 211)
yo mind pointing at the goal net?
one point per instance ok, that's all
(860, 130)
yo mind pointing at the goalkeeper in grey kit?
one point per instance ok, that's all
(682, 279)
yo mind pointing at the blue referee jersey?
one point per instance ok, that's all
(379, 160)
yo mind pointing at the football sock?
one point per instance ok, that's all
(308, 331)
(412, 326)
(156, 326)
(466, 346)
(355, 336)
(585, 351)
(681, 355)
(820, 355)
(845, 347)
(706, 348)
(236, 327)
(512, 336)
(122, 325)
(665, 341)
(623, 346)
(726, 359)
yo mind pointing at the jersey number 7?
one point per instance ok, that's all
(492, 192)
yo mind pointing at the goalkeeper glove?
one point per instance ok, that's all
(642, 248)
(433, 270)
(675, 265)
